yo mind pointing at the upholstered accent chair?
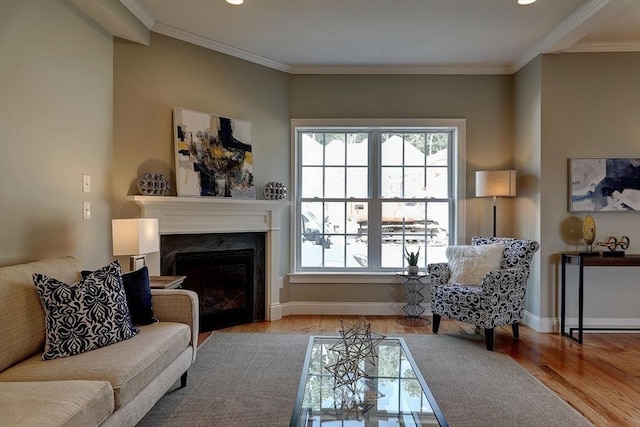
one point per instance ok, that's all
(497, 300)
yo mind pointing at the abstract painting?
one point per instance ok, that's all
(213, 155)
(604, 184)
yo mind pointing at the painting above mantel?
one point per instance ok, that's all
(213, 155)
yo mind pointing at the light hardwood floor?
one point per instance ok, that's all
(600, 378)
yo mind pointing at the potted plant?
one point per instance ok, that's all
(412, 260)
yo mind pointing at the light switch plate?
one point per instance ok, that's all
(86, 183)
(86, 210)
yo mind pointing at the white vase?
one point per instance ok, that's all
(413, 269)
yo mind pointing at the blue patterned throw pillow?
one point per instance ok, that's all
(84, 316)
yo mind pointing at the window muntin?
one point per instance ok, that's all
(366, 195)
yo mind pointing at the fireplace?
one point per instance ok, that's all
(226, 270)
(223, 215)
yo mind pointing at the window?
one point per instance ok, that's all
(366, 194)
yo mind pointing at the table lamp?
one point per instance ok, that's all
(495, 183)
(135, 237)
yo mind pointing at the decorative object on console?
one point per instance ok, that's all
(153, 184)
(589, 235)
(274, 191)
(495, 183)
(135, 237)
(612, 243)
(412, 260)
(604, 184)
(213, 155)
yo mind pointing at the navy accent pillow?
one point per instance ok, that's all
(138, 292)
(84, 316)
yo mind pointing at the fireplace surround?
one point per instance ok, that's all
(203, 215)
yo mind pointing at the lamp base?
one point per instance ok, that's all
(136, 262)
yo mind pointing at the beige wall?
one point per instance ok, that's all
(590, 108)
(527, 124)
(149, 81)
(577, 105)
(484, 101)
(56, 87)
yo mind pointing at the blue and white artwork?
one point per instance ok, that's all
(605, 184)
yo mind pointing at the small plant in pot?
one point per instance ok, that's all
(412, 260)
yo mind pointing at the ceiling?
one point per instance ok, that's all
(396, 36)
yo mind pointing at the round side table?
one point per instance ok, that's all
(413, 284)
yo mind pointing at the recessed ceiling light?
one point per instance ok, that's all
(235, 2)
(520, 2)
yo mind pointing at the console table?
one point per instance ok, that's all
(629, 260)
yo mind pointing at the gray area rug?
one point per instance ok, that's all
(251, 379)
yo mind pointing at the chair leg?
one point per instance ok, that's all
(516, 332)
(183, 380)
(436, 323)
(488, 337)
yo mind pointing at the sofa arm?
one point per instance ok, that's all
(439, 273)
(178, 305)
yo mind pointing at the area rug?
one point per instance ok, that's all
(251, 379)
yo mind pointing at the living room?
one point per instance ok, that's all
(76, 100)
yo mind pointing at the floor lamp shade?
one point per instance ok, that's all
(495, 184)
(135, 236)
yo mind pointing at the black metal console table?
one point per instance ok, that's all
(581, 261)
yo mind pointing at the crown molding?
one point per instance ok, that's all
(605, 47)
(139, 12)
(188, 37)
(572, 29)
(399, 69)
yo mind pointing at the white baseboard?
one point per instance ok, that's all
(346, 308)
(552, 324)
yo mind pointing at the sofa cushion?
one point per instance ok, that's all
(128, 365)
(90, 314)
(138, 290)
(22, 329)
(469, 264)
(55, 403)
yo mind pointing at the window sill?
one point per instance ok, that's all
(351, 277)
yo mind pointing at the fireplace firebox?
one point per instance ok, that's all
(225, 270)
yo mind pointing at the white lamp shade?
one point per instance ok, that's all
(135, 236)
(496, 183)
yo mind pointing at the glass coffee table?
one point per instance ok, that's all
(393, 392)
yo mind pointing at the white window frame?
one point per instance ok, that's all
(459, 188)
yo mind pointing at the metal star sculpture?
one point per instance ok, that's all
(354, 392)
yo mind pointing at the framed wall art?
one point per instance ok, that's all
(604, 184)
(213, 155)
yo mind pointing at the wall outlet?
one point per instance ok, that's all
(86, 183)
(86, 210)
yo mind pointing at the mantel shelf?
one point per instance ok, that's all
(203, 202)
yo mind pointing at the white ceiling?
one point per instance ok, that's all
(396, 36)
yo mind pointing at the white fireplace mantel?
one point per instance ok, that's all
(194, 215)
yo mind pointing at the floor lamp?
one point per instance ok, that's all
(135, 237)
(495, 184)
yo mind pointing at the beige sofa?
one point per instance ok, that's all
(114, 385)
